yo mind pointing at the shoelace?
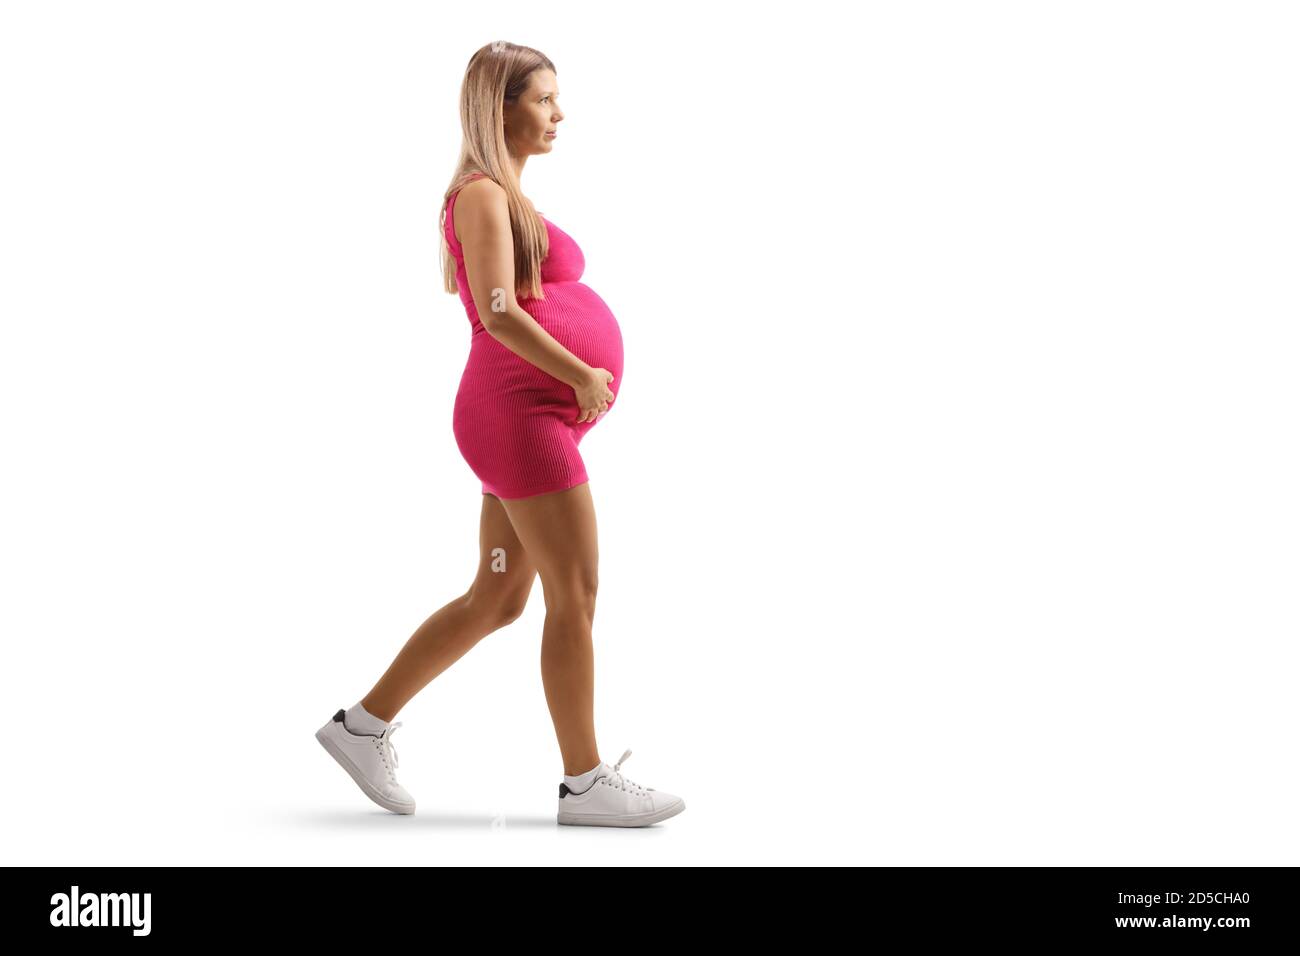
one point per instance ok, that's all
(386, 749)
(620, 781)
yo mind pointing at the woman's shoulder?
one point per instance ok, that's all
(482, 193)
(485, 198)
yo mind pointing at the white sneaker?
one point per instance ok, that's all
(370, 760)
(615, 801)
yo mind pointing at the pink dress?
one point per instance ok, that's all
(516, 426)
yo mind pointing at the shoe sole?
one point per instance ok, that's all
(358, 777)
(620, 819)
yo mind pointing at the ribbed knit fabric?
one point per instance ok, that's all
(515, 425)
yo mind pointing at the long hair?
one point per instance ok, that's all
(497, 74)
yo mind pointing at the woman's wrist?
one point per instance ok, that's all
(578, 373)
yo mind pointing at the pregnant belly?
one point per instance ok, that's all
(579, 320)
(576, 317)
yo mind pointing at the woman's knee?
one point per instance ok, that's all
(511, 609)
(576, 593)
(497, 608)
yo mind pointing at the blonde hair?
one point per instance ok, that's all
(497, 74)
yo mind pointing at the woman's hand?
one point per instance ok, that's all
(593, 394)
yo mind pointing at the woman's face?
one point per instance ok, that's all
(530, 121)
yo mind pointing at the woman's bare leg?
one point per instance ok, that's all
(559, 532)
(497, 596)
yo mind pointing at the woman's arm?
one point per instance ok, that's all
(483, 229)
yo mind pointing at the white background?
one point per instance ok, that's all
(948, 513)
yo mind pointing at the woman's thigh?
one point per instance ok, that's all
(505, 568)
(558, 530)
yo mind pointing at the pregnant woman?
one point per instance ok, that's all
(545, 365)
